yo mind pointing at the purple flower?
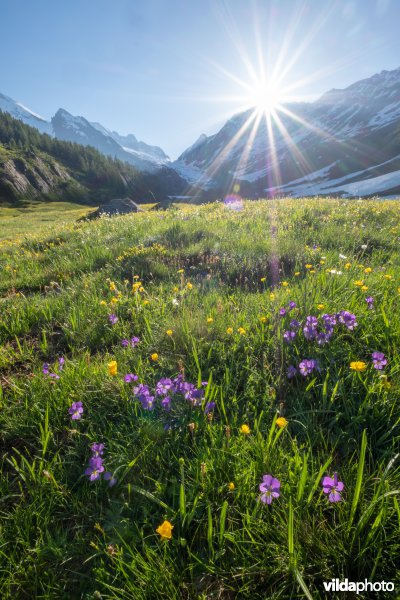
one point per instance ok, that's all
(164, 386)
(95, 468)
(61, 362)
(379, 360)
(295, 324)
(329, 321)
(332, 487)
(166, 403)
(292, 305)
(370, 301)
(109, 477)
(204, 383)
(348, 319)
(269, 488)
(312, 322)
(129, 377)
(46, 369)
(125, 343)
(282, 312)
(307, 366)
(113, 319)
(323, 338)
(289, 336)
(54, 376)
(142, 393)
(310, 333)
(76, 410)
(291, 372)
(179, 383)
(209, 407)
(132, 342)
(97, 449)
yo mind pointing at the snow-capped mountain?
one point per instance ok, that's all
(346, 143)
(65, 126)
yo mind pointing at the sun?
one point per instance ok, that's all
(266, 97)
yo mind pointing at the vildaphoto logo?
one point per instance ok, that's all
(335, 585)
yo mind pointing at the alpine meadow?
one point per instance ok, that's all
(201, 402)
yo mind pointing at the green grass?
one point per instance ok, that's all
(203, 271)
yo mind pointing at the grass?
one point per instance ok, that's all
(216, 278)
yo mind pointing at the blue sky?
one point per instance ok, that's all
(168, 70)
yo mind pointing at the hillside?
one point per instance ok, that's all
(38, 166)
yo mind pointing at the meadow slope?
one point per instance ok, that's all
(207, 348)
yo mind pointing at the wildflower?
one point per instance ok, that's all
(370, 301)
(379, 360)
(263, 279)
(348, 319)
(282, 312)
(175, 290)
(103, 303)
(209, 407)
(358, 365)
(347, 265)
(284, 284)
(46, 369)
(307, 366)
(165, 529)
(368, 270)
(245, 429)
(289, 336)
(332, 487)
(294, 324)
(263, 319)
(109, 477)
(181, 271)
(169, 332)
(342, 256)
(61, 362)
(272, 296)
(389, 277)
(364, 288)
(320, 306)
(95, 468)
(112, 367)
(231, 486)
(164, 386)
(297, 273)
(241, 331)
(229, 331)
(76, 410)
(291, 372)
(281, 422)
(270, 489)
(210, 319)
(97, 449)
(154, 357)
(166, 402)
(113, 319)
(359, 283)
(175, 302)
(308, 266)
(129, 377)
(189, 285)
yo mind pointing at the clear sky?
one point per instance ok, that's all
(168, 70)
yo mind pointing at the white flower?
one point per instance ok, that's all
(342, 256)
(364, 246)
(334, 272)
(175, 302)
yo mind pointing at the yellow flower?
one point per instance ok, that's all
(321, 262)
(388, 277)
(210, 319)
(281, 422)
(263, 319)
(112, 367)
(229, 330)
(284, 283)
(165, 530)
(242, 331)
(113, 287)
(312, 271)
(175, 289)
(347, 265)
(154, 357)
(141, 289)
(103, 303)
(358, 365)
(136, 277)
(181, 271)
(146, 302)
(368, 270)
(189, 285)
(231, 486)
(114, 300)
(308, 266)
(272, 296)
(169, 332)
(263, 279)
(297, 273)
(245, 429)
(359, 283)
(320, 306)
(364, 288)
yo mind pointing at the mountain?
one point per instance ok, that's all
(38, 166)
(345, 143)
(67, 127)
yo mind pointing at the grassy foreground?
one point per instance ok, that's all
(211, 293)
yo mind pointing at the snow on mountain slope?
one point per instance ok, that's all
(345, 133)
(20, 112)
